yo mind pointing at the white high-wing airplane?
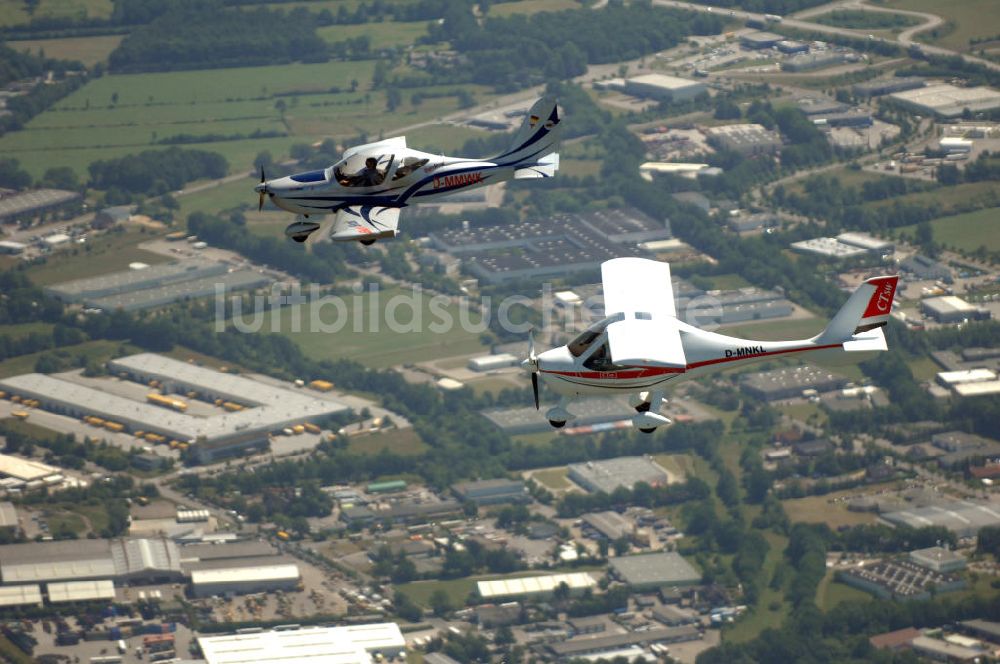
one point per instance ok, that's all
(366, 189)
(641, 347)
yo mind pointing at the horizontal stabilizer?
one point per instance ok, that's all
(545, 167)
(869, 341)
(365, 222)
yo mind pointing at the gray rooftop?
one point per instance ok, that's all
(963, 517)
(655, 569)
(130, 280)
(274, 407)
(610, 474)
(8, 515)
(146, 298)
(29, 201)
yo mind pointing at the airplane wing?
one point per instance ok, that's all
(365, 222)
(648, 334)
(637, 284)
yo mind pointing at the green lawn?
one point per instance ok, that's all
(967, 231)
(820, 509)
(968, 19)
(20, 330)
(221, 197)
(761, 617)
(776, 329)
(531, 7)
(678, 465)
(100, 350)
(553, 478)
(804, 412)
(404, 442)
(728, 282)
(949, 198)
(924, 368)
(380, 336)
(101, 254)
(830, 593)
(383, 35)
(88, 50)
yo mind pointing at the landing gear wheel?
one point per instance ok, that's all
(647, 430)
(643, 407)
(556, 424)
(367, 243)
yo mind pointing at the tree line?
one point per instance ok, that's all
(156, 172)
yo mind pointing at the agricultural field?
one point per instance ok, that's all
(966, 232)
(98, 351)
(404, 442)
(821, 509)
(88, 50)
(366, 330)
(531, 7)
(963, 20)
(15, 12)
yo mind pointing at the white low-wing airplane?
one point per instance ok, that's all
(368, 187)
(641, 347)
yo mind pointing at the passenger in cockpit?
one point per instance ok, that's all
(369, 177)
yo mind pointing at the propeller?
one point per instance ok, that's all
(532, 365)
(262, 189)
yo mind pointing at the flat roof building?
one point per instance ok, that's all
(790, 382)
(609, 525)
(869, 243)
(828, 247)
(944, 651)
(745, 139)
(610, 474)
(952, 309)
(758, 40)
(492, 492)
(949, 101)
(349, 644)
(81, 591)
(663, 87)
(244, 580)
(30, 204)
(587, 412)
(20, 595)
(270, 407)
(939, 559)
(124, 281)
(964, 518)
(884, 86)
(41, 562)
(25, 470)
(655, 570)
(606, 645)
(8, 515)
(534, 585)
(492, 362)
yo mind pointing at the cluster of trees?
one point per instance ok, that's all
(475, 558)
(156, 172)
(63, 450)
(16, 66)
(188, 36)
(12, 176)
(110, 495)
(861, 20)
(986, 167)
(516, 51)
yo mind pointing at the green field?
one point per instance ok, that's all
(967, 231)
(14, 12)
(553, 478)
(122, 114)
(820, 509)
(761, 617)
(383, 35)
(965, 20)
(830, 593)
(20, 330)
(101, 254)
(100, 351)
(774, 330)
(678, 465)
(531, 7)
(88, 50)
(370, 338)
(404, 442)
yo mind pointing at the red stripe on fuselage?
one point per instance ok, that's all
(650, 372)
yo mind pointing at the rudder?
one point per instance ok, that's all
(868, 308)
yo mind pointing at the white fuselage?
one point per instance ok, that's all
(705, 353)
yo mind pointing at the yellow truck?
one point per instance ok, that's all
(20, 414)
(311, 428)
(167, 401)
(117, 427)
(232, 406)
(321, 385)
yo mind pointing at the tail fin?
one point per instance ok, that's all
(539, 134)
(868, 308)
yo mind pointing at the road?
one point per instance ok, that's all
(904, 39)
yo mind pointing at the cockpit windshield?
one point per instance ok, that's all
(362, 170)
(408, 165)
(579, 346)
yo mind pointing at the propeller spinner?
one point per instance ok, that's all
(531, 364)
(261, 190)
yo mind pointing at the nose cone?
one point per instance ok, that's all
(261, 188)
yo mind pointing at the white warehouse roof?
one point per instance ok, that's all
(351, 644)
(23, 469)
(20, 595)
(530, 585)
(240, 574)
(81, 591)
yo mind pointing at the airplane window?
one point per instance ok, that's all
(363, 170)
(579, 346)
(643, 315)
(601, 360)
(311, 176)
(409, 165)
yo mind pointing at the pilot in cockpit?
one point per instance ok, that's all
(369, 176)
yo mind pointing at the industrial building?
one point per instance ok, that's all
(828, 247)
(790, 382)
(244, 580)
(948, 101)
(944, 651)
(607, 646)
(493, 362)
(100, 590)
(884, 86)
(760, 40)
(27, 471)
(157, 285)
(30, 205)
(970, 382)
(729, 307)
(11, 248)
(621, 472)
(964, 518)
(873, 245)
(592, 411)
(899, 579)
(30, 595)
(952, 309)
(791, 47)
(923, 267)
(267, 407)
(348, 644)
(664, 88)
(608, 525)
(654, 570)
(8, 515)
(492, 492)
(938, 559)
(543, 585)
(745, 139)
(66, 560)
